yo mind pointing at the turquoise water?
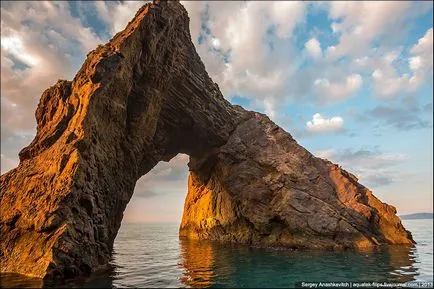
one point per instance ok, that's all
(151, 255)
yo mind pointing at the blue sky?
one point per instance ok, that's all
(351, 81)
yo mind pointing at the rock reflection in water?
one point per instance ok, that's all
(197, 260)
(208, 264)
(100, 280)
(10, 280)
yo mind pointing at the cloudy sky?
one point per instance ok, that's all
(351, 81)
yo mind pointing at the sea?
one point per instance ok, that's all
(152, 256)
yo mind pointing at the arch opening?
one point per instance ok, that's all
(159, 195)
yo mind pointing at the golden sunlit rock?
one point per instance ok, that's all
(263, 188)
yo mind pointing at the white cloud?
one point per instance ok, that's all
(424, 44)
(362, 61)
(386, 79)
(216, 43)
(313, 47)
(270, 107)
(359, 23)
(320, 124)
(335, 91)
(116, 14)
(389, 84)
(13, 45)
(421, 63)
(286, 14)
(238, 29)
(415, 62)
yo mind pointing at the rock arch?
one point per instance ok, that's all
(144, 97)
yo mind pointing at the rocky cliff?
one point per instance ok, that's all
(143, 98)
(263, 188)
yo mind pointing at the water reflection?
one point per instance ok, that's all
(149, 256)
(101, 280)
(9, 280)
(209, 264)
(197, 258)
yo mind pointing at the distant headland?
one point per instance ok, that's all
(417, 216)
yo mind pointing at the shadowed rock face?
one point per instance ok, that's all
(143, 98)
(263, 188)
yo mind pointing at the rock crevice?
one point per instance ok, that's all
(142, 98)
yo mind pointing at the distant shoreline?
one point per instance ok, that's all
(417, 216)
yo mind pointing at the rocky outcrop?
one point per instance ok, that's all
(263, 188)
(143, 98)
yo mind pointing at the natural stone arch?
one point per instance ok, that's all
(144, 97)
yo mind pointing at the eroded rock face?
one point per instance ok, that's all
(143, 98)
(265, 189)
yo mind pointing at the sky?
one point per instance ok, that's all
(351, 81)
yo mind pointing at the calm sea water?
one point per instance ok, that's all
(151, 255)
